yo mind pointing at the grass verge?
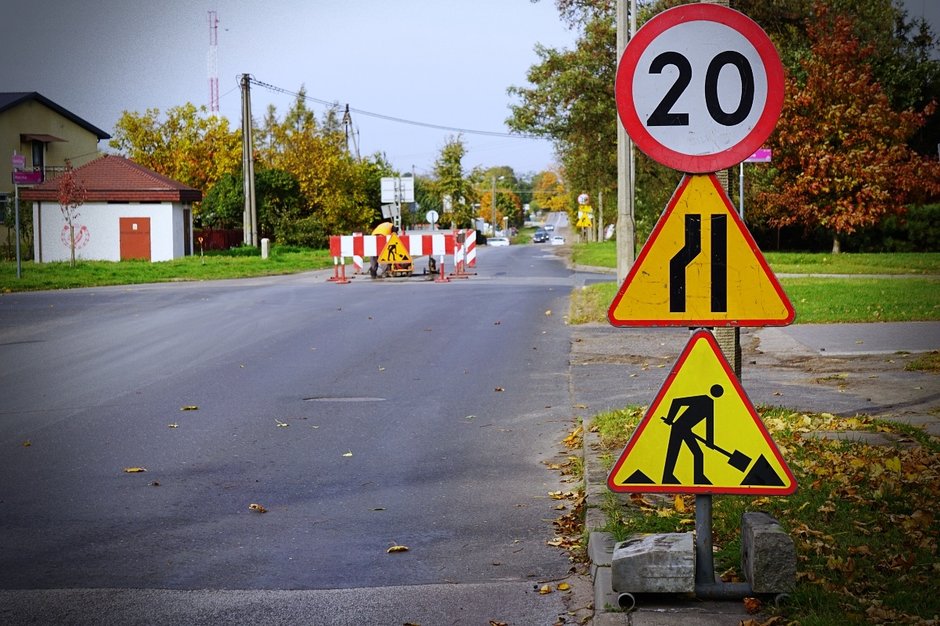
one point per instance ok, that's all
(816, 300)
(605, 255)
(863, 518)
(39, 276)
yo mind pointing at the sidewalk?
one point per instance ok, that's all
(844, 369)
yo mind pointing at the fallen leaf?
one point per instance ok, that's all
(189, 407)
(548, 312)
(134, 470)
(27, 443)
(257, 507)
(493, 622)
(154, 483)
(679, 504)
(545, 589)
(564, 587)
(499, 389)
(348, 453)
(172, 425)
(281, 424)
(397, 549)
(752, 605)
(381, 369)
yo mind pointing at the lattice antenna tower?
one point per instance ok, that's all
(214, 62)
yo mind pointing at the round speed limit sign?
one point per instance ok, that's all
(699, 87)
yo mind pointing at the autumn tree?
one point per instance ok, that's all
(71, 196)
(841, 159)
(188, 145)
(333, 184)
(549, 192)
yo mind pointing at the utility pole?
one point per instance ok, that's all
(626, 226)
(250, 217)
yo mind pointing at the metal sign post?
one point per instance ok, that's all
(699, 88)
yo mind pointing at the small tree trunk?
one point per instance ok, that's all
(835, 245)
(72, 243)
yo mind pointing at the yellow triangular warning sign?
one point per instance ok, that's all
(700, 267)
(702, 435)
(394, 251)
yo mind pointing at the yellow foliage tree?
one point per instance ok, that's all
(189, 145)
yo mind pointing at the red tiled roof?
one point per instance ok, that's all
(118, 179)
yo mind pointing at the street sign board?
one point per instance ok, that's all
(700, 267)
(699, 87)
(398, 189)
(702, 435)
(761, 155)
(19, 161)
(27, 178)
(432, 216)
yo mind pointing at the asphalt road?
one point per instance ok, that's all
(361, 416)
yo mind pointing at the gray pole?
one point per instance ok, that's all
(626, 235)
(16, 221)
(600, 215)
(250, 220)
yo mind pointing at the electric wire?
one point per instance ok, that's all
(398, 120)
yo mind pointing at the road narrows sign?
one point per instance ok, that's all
(699, 87)
(700, 267)
(702, 435)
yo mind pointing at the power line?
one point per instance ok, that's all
(399, 120)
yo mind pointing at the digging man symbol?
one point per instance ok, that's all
(697, 409)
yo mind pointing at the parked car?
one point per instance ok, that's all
(558, 240)
(540, 236)
(497, 241)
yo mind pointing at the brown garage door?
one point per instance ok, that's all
(135, 238)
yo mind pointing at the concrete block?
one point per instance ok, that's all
(656, 563)
(768, 556)
(605, 598)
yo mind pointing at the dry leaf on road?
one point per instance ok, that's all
(397, 548)
(134, 470)
(257, 507)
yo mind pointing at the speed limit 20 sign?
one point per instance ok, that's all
(699, 87)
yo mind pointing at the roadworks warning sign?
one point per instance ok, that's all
(702, 435)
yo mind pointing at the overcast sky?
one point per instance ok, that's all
(443, 62)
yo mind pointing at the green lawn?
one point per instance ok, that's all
(37, 276)
(605, 255)
(823, 288)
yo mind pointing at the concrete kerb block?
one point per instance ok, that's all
(768, 556)
(654, 563)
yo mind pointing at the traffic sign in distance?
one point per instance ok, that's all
(699, 87)
(700, 267)
(702, 435)
(394, 251)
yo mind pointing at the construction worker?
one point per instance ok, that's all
(697, 409)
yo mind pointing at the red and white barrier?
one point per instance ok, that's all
(437, 244)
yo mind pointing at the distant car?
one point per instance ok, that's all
(549, 228)
(540, 236)
(558, 240)
(497, 241)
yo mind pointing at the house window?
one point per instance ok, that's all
(39, 154)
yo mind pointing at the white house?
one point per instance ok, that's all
(130, 212)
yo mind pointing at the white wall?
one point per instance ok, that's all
(97, 231)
